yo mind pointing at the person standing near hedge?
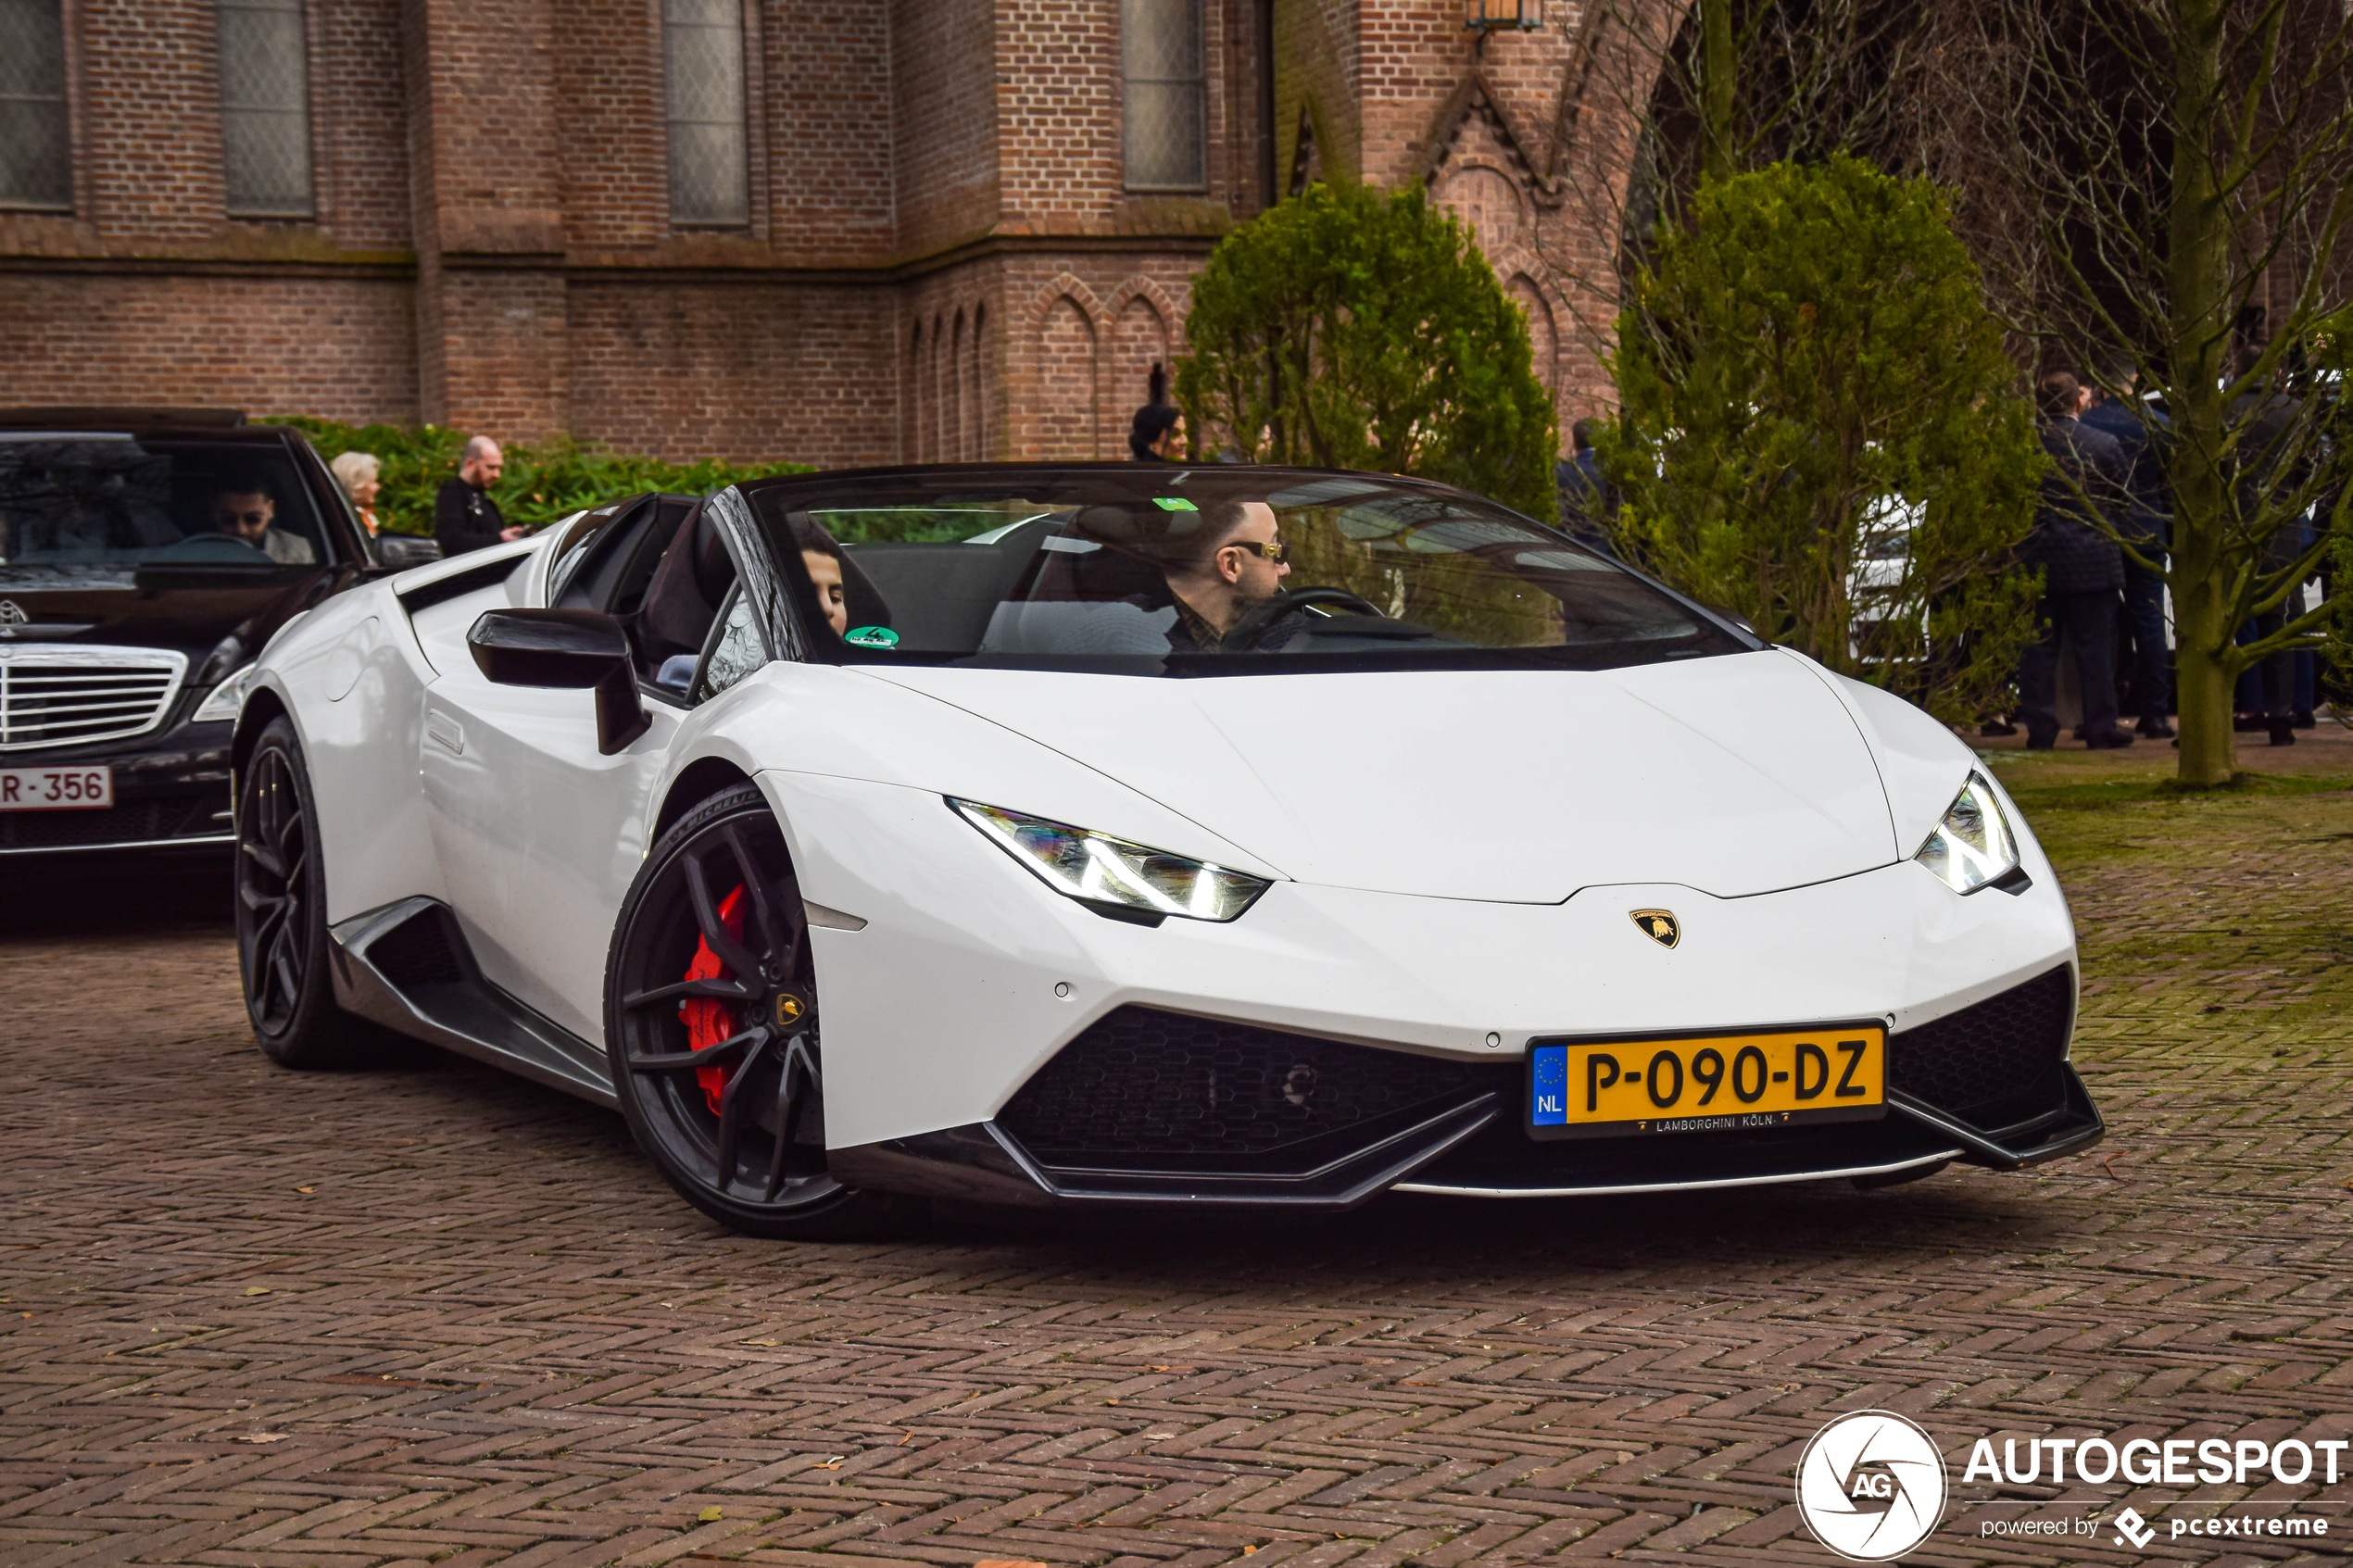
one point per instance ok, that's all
(464, 516)
(359, 474)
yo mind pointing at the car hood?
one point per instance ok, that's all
(1734, 775)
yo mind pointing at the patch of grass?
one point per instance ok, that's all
(2105, 794)
(2220, 920)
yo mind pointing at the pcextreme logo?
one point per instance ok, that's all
(1870, 1486)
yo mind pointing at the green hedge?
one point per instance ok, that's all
(541, 484)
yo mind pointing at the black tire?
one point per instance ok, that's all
(758, 1164)
(281, 913)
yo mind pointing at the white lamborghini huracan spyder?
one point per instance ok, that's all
(1206, 835)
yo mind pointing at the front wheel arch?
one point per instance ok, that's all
(260, 708)
(699, 781)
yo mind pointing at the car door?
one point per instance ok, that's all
(538, 831)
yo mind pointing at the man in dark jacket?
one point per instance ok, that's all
(2083, 569)
(2139, 432)
(2270, 463)
(464, 517)
(1587, 500)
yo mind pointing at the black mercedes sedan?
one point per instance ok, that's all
(146, 555)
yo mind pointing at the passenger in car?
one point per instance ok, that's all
(1238, 563)
(821, 555)
(243, 509)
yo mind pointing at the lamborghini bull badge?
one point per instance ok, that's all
(1660, 925)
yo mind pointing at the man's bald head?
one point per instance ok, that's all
(481, 463)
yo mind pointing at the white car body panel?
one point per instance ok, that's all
(1735, 775)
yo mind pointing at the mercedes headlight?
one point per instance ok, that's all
(1096, 869)
(1973, 846)
(221, 705)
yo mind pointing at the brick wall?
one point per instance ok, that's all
(944, 146)
(832, 187)
(748, 370)
(941, 261)
(345, 348)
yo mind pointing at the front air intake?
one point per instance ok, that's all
(1146, 1089)
(1995, 1063)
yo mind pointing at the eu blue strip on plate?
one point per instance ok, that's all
(1551, 1107)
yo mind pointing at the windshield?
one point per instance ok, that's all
(1209, 570)
(78, 506)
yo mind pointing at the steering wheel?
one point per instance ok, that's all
(1267, 611)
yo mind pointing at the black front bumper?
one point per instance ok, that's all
(171, 791)
(1149, 1108)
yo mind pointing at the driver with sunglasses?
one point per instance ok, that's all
(243, 509)
(1222, 586)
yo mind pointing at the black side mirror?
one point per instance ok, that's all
(569, 648)
(398, 552)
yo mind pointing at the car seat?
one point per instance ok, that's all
(684, 598)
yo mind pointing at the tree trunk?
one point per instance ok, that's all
(1718, 79)
(2199, 233)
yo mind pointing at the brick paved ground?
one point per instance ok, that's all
(430, 1314)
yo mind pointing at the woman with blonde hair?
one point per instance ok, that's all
(357, 472)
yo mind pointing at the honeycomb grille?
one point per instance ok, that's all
(1995, 1062)
(1142, 1082)
(135, 822)
(417, 952)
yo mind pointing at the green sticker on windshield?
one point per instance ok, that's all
(1174, 504)
(870, 637)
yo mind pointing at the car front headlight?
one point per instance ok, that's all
(1973, 846)
(1096, 869)
(221, 706)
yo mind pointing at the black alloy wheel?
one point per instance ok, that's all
(715, 922)
(282, 911)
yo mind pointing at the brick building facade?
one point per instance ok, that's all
(759, 229)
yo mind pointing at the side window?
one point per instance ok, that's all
(735, 651)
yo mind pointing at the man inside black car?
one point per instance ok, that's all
(243, 509)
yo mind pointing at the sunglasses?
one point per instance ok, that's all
(1276, 550)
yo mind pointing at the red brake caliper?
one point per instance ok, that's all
(708, 1021)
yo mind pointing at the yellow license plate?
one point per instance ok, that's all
(1707, 1082)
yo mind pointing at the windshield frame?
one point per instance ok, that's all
(771, 501)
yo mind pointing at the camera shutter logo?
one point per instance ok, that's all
(1870, 1486)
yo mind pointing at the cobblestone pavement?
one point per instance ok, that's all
(426, 1313)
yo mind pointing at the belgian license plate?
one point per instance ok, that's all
(1708, 1083)
(55, 789)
